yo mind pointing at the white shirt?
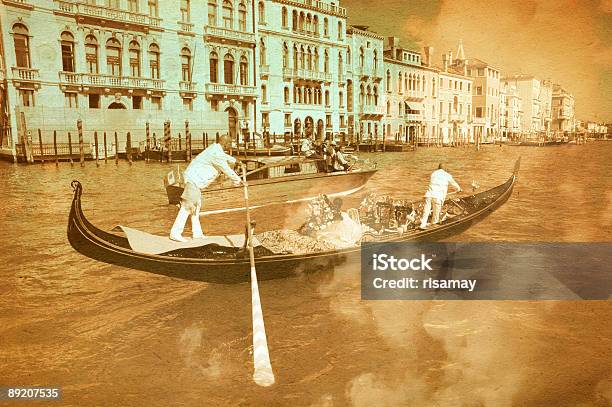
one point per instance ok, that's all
(207, 166)
(438, 185)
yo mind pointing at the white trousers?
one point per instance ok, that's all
(181, 219)
(437, 208)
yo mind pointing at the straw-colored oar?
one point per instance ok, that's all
(262, 374)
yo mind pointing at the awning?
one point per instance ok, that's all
(415, 106)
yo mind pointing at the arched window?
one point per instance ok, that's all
(325, 27)
(295, 57)
(326, 63)
(348, 56)
(316, 60)
(361, 57)
(369, 96)
(375, 96)
(309, 95)
(308, 23)
(326, 98)
(244, 71)
(262, 52)
(361, 95)
(302, 57)
(339, 30)
(285, 18)
(262, 12)
(294, 25)
(375, 60)
(113, 57)
(301, 22)
(154, 61)
(309, 62)
(67, 43)
(91, 54)
(134, 55)
(285, 56)
(228, 15)
(186, 65)
(21, 39)
(340, 99)
(400, 88)
(213, 62)
(287, 96)
(388, 108)
(340, 67)
(212, 13)
(315, 23)
(228, 69)
(242, 17)
(264, 94)
(388, 81)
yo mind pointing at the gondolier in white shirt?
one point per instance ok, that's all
(200, 173)
(436, 194)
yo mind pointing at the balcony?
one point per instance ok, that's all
(306, 74)
(103, 14)
(227, 89)
(188, 89)
(413, 117)
(185, 27)
(372, 110)
(110, 81)
(264, 70)
(26, 77)
(225, 34)
(19, 3)
(318, 6)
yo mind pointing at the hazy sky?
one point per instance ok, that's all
(567, 41)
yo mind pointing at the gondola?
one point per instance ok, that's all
(231, 266)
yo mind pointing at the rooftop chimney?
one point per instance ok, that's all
(428, 51)
(445, 62)
(393, 44)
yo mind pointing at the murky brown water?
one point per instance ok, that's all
(113, 336)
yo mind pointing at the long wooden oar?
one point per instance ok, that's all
(262, 374)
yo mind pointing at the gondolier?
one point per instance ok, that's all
(436, 194)
(202, 171)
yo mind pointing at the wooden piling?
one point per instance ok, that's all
(204, 140)
(70, 149)
(116, 149)
(180, 142)
(81, 145)
(168, 139)
(96, 147)
(128, 147)
(40, 145)
(187, 141)
(217, 137)
(105, 149)
(55, 147)
(148, 146)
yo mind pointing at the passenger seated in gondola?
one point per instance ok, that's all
(334, 158)
(202, 171)
(308, 148)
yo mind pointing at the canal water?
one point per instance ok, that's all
(114, 336)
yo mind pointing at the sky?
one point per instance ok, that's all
(567, 41)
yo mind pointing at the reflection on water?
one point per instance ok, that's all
(113, 336)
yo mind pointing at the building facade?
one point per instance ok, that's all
(562, 110)
(528, 89)
(302, 49)
(485, 98)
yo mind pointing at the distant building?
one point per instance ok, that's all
(563, 119)
(455, 99)
(410, 90)
(546, 94)
(485, 96)
(510, 111)
(528, 89)
(364, 83)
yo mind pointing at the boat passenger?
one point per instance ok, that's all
(436, 194)
(200, 173)
(308, 148)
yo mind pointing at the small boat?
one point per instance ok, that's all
(219, 264)
(275, 180)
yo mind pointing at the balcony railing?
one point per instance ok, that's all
(225, 33)
(107, 13)
(186, 86)
(307, 74)
(110, 81)
(322, 6)
(185, 26)
(413, 117)
(227, 89)
(19, 3)
(25, 74)
(372, 110)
